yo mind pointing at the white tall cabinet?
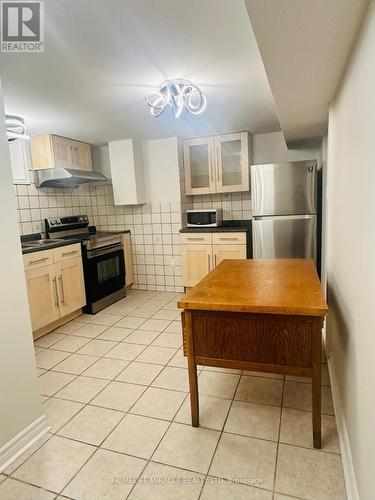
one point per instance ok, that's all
(20, 159)
(126, 163)
(218, 164)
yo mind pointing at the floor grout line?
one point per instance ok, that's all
(85, 405)
(221, 432)
(278, 441)
(146, 387)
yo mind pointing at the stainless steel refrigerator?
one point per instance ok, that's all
(284, 210)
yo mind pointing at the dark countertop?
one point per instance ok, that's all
(120, 231)
(228, 226)
(28, 238)
(29, 248)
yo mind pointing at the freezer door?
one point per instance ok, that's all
(284, 188)
(284, 237)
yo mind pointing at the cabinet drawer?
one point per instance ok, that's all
(196, 238)
(38, 259)
(67, 252)
(229, 238)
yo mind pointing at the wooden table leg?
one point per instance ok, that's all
(316, 385)
(192, 368)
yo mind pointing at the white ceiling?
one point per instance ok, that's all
(305, 45)
(101, 57)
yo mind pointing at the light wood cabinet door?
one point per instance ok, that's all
(61, 151)
(128, 260)
(197, 262)
(232, 162)
(43, 298)
(80, 155)
(71, 288)
(50, 151)
(199, 165)
(221, 252)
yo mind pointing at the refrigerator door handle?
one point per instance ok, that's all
(283, 217)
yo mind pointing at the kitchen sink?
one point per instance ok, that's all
(33, 244)
(26, 246)
(42, 242)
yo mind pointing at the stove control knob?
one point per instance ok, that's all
(52, 222)
(85, 218)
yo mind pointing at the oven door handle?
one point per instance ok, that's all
(104, 250)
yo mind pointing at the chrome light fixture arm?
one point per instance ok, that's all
(178, 95)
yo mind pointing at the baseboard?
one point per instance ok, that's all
(346, 452)
(22, 442)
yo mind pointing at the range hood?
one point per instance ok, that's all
(65, 177)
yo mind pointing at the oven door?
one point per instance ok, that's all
(104, 270)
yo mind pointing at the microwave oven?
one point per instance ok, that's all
(211, 217)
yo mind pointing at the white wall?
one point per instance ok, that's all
(270, 148)
(100, 160)
(351, 259)
(161, 167)
(19, 392)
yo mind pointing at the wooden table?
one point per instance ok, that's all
(259, 315)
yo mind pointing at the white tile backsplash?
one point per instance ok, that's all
(235, 206)
(154, 227)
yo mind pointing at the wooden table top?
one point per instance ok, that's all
(277, 286)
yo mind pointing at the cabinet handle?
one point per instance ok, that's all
(38, 261)
(209, 262)
(217, 164)
(64, 254)
(195, 239)
(70, 156)
(215, 260)
(228, 239)
(55, 292)
(213, 161)
(62, 290)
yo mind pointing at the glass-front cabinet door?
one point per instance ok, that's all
(199, 164)
(232, 162)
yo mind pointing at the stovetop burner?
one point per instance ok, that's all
(77, 227)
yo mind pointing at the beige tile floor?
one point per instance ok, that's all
(115, 391)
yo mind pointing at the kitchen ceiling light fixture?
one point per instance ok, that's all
(177, 94)
(15, 126)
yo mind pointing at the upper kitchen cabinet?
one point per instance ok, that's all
(199, 162)
(50, 151)
(20, 160)
(126, 163)
(217, 164)
(232, 162)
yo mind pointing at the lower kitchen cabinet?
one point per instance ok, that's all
(196, 263)
(202, 252)
(55, 289)
(42, 294)
(128, 260)
(224, 251)
(71, 285)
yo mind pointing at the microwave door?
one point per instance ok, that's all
(204, 218)
(287, 188)
(284, 237)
